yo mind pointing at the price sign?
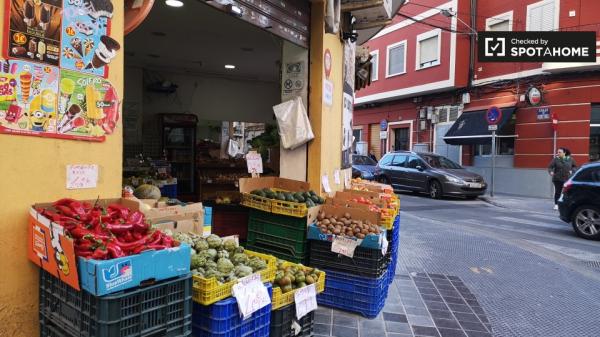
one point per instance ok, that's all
(306, 300)
(82, 176)
(251, 295)
(325, 181)
(254, 162)
(344, 246)
(336, 177)
(384, 245)
(347, 183)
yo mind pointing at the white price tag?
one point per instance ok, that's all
(336, 177)
(306, 300)
(254, 161)
(251, 295)
(347, 179)
(82, 176)
(344, 246)
(325, 181)
(384, 245)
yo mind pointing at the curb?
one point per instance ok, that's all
(492, 202)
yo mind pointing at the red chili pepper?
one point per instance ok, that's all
(133, 244)
(63, 202)
(114, 250)
(116, 228)
(77, 207)
(87, 206)
(50, 214)
(136, 217)
(167, 241)
(86, 254)
(86, 245)
(101, 253)
(155, 238)
(65, 210)
(82, 233)
(122, 210)
(128, 237)
(157, 247)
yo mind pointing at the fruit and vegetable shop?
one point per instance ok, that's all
(182, 168)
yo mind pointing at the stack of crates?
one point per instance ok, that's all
(394, 245)
(223, 319)
(284, 319)
(279, 235)
(163, 309)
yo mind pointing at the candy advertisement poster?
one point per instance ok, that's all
(86, 43)
(88, 106)
(28, 98)
(34, 30)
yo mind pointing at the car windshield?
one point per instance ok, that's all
(440, 162)
(363, 160)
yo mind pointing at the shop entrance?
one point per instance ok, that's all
(401, 139)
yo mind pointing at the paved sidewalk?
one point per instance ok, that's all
(538, 205)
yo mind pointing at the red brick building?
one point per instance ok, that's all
(429, 89)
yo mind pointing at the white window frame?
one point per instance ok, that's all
(375, 55)
(387, 58)
(424, 36)
(542, 3)
(498, 18)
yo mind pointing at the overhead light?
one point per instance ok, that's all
(235, 10)
(174, 3)
(229, 66)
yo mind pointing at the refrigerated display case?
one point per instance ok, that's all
(179, 148)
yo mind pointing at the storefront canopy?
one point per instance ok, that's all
(471, 128)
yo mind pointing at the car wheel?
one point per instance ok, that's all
(586, 222)
(435, 189)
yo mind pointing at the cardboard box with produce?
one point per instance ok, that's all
(102, 246)
(357, 224)
(189, 216)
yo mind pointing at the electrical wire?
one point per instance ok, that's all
(463, 13)
(432, 25)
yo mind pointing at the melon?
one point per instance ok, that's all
(147, 191)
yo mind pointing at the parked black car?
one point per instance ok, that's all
(579, 203)
(429, 173)
(363, 167)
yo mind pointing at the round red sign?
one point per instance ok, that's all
(534, 96)
(327, 61)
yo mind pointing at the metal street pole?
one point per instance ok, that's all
(493, 161)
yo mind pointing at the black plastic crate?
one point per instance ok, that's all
(283, 318)
(280, 251)
(365, 263)
(163, 309)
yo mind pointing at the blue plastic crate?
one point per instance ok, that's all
(223, 319)
(207, 216)
(361, 295)
(393, 248)
(169, 191)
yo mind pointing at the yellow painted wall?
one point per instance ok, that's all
(325, 151)
(34, 170)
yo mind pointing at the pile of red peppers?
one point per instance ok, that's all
(103, 234)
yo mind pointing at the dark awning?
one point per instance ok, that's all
(472, 128)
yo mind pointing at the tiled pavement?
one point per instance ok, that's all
(418, 305)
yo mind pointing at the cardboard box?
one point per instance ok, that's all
(52, 250)
(248, 185)
(370, 241)
(190, 216)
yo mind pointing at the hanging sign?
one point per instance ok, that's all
(325, 182)
(86, 45)
(336, 177)
(34, 28)
(534, 96)
(306, 300)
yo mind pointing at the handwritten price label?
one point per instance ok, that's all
(306, 300)
(251, 295)
(384, 245)
(344, 246)
(336, 177)
(254, 161)
(325, 182)
(82, 176)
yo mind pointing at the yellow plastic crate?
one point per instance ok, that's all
(208, 291)
(387, 222)
(295, 209)
(280, 299)
(258, 202)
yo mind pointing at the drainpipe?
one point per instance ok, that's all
(473, 39)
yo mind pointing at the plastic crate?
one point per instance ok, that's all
(208, 216)
(257, 202)
(169, 191)
(223, 319)
(162, 309)
(280, 299)
(283, 318)
(277, 251)
(295, 209)
(208, 291)
(356, 294)
(278, 225)
(366, 262)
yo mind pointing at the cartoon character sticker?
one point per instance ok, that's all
(28, 97)
(86, 44)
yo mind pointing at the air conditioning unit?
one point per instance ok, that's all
(423, 125)
(423, 113)
(435, 118)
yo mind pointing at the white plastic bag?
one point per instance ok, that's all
(233, 150)
(294, 126)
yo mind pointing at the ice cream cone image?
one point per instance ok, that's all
(25, 81)
(67, 86)
(88, 45)
(74, 111)
(74, 123)
(106, 51)
(77, 45)
(91, 99)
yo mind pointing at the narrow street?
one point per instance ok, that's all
(468, 268)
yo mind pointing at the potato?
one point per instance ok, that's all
(356, 230)
(347, 215)
(337, 231)
(343, 219)
(360, 235)
(326, 222)
(321, 216)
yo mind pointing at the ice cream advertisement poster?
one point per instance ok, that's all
(86, 44)
(33, 30)
(88, 106)
(28, 98)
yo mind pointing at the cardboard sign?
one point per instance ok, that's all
(251, 295)
(325, 182)
(34, 30)
(306, 300)
(82, 176)
(343, 245)
(254, 162)
(86, 45)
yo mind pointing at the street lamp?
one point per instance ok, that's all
(447, 13)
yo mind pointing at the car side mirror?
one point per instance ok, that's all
(420, 168)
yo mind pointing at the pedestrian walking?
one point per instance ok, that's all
(561, 168)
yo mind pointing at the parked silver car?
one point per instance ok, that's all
(429, 173)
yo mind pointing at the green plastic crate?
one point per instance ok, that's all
(280, 252)
(277, 228)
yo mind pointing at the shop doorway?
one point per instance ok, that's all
(401, 139)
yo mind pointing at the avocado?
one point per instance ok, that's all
(289, 197)
(306, 195)
(321, 200)
(315, 199)
(260, 193)
(312, 193)
(281, 196)
(271, 195)
(310, 203)
(255, 192)
(300, 198)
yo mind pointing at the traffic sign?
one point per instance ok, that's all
(383, 125)
(493, 127)
(493, 115)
